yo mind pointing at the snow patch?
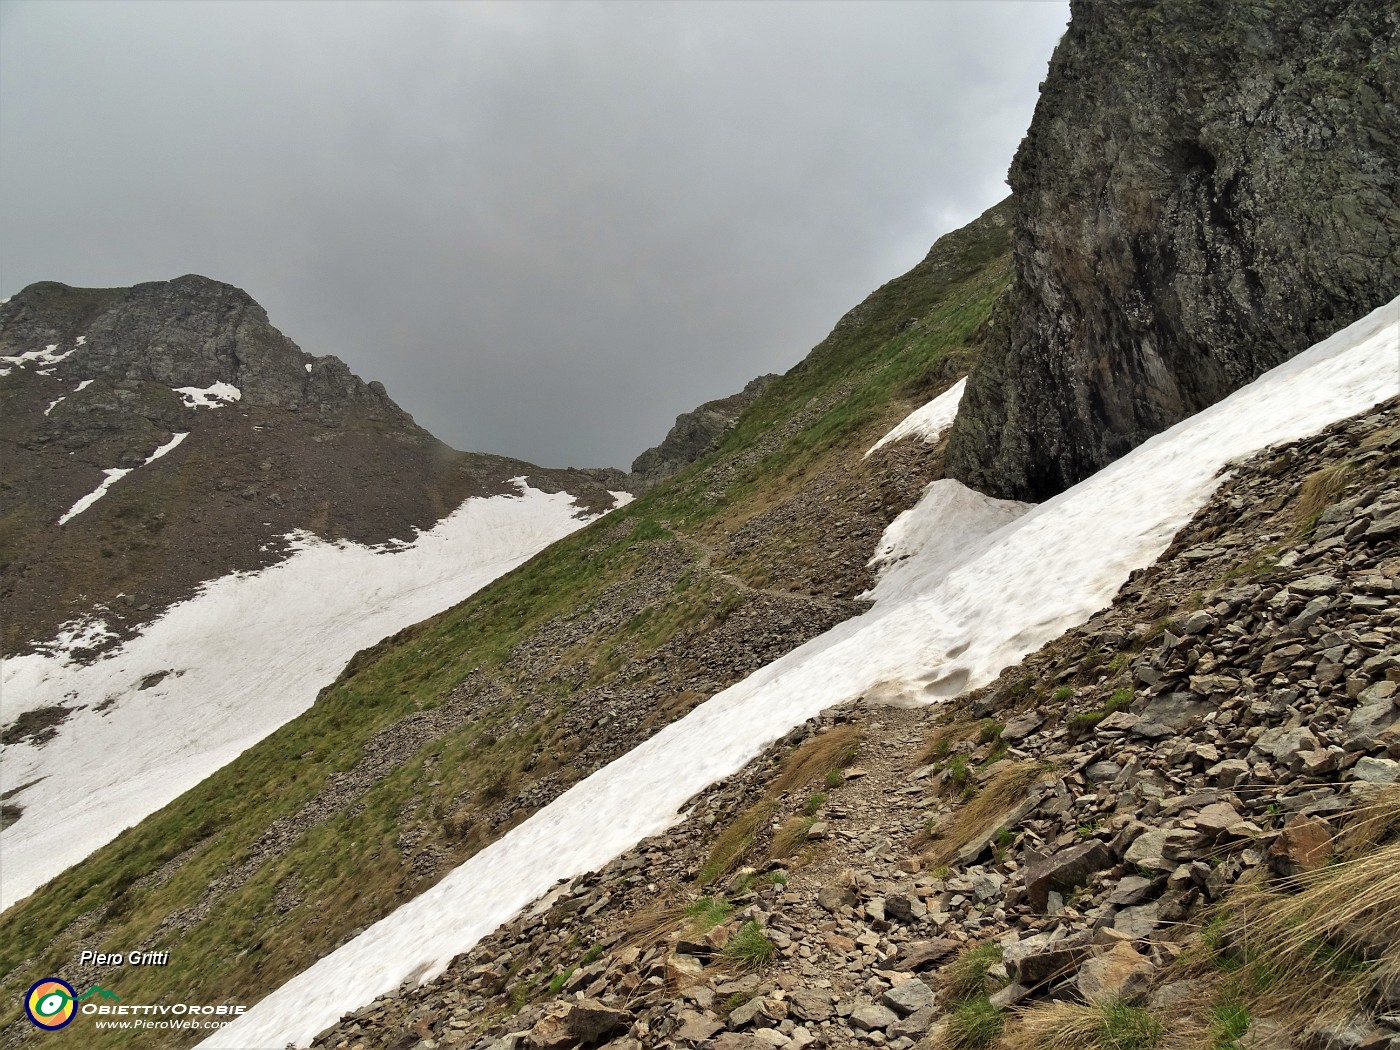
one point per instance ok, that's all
(114, 475)
(80, 340)
(949, 526)
(84, 633)
(255, 649)
(55, 404)
(1027, 583)
(169, 446)
(928, 422)
(82, 386)
(209, 396)
(47, 356)
(620, 499)
(308, 367)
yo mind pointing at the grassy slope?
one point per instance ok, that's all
(888, 354)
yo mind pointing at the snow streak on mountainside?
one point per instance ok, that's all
(217, 673)
(1006, 595)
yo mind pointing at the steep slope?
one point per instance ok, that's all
(1103, 833)
(694, 434)
(1205, 191)
(94, 381)
(935, 631)
(433, 744)
(232, 557)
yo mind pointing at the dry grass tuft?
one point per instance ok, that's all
(1332, 931)
(1329, 930)
(652, 924)
(809, 763)
(1373, 824)
(1052, 1026)
(984, 813)
(818, 756)
(736, 841)
(939, 743)
(1319, 490)
(789, 839)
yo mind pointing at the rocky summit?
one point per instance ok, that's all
(97, 381)
(694, 434)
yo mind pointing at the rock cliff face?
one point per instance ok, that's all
(694, 434)
(1205, 191)
(93, 382)
(189, 332)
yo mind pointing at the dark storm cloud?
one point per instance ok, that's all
(547, 229)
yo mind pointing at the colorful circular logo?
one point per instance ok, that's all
(51, 1003)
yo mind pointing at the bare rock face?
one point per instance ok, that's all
(189, 332)
(694, 434)
(1205, 191)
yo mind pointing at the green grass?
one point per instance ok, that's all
(1228, 1022)
(973, 1024)
(1084, 721)
(750, 947)
(1128, 1027)
(815, 802)
(708, 912)
(958, 770)
(557, 982)
(989, 730)
(965, 978)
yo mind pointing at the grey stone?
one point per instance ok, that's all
(869, 1018)
(1064, 870)
(1139, 922)
(908, 997)
(1376, 770)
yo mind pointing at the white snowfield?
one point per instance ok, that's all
(247, 654)
(928, 637)
(211, 396)
(114, 475)
(928, 422)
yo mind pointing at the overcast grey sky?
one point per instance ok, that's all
(546, 228)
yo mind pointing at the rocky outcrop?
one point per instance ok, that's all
(1205, 191)
(694, 434)
(189, 332)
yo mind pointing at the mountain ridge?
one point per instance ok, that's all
(278, 441)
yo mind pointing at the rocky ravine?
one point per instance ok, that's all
(1205, 191)
(91, 381)
(1063, 836)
